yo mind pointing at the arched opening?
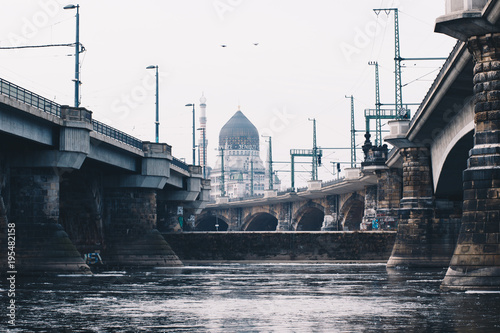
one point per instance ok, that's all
(450, 183)
(210, 222)
(262, 222)
(353, 211)
(311, 220)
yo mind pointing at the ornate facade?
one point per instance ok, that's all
(239, 171)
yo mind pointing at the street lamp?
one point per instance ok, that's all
(194, 148)
(77, 53)
(157, 122)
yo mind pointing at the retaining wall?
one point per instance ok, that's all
(282, 246)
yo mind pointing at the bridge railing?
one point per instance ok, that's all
(333, 181)
(27, 97)
(180, 164)
(30, 98)
(116, 134)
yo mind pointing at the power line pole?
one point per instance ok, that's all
(378, 122)
(353, 134)
(314, 172)
(402, 113)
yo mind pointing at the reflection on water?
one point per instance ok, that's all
(252, 298)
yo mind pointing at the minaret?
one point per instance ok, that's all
(202, 142)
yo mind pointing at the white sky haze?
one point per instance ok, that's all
(310, 55)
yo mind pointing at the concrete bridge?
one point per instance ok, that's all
(440, 183)
(70, 185)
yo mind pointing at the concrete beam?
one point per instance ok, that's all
(25, 125)
(136, 181)
(109, 154)
(48, 159)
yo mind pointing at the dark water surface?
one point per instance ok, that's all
(251, 298)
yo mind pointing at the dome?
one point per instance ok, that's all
(239, 134)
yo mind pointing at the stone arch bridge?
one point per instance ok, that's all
(338, 205)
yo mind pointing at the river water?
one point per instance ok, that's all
(251, 298)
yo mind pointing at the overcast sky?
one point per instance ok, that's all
(310, 55)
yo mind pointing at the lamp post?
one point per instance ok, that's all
(194, 147)
(77, 53)
(157, 122)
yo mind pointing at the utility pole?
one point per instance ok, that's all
(402, 113)
(314, 152)
(353, 134)
(378, 122)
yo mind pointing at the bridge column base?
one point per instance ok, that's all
(283, 225)
(389, 183)
(476, 261)
(131, 236)
(421, 240)
(370, 208)
(42, 245)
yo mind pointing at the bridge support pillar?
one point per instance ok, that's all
(389, 188)
(42, 245)
(130, 228)
(285, 218)
(418, 241)
(476, 261)
(370, 207)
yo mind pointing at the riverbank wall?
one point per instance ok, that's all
(282, 246)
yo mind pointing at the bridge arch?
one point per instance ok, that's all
(309, 217)
(450, 183)
(352, 211)
(208, 222)
(450, 150)
(263, 221)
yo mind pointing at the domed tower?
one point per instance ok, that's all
(239, 134)
(239, 171)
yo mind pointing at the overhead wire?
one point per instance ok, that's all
(38, 46)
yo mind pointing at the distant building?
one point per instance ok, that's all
(244, 173)
(203, 142)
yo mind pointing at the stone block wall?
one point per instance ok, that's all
(130, 221)
(129, 212)
(389, 192)
(476, 261)
(81, 205)
(282, 246)
(42, 244)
